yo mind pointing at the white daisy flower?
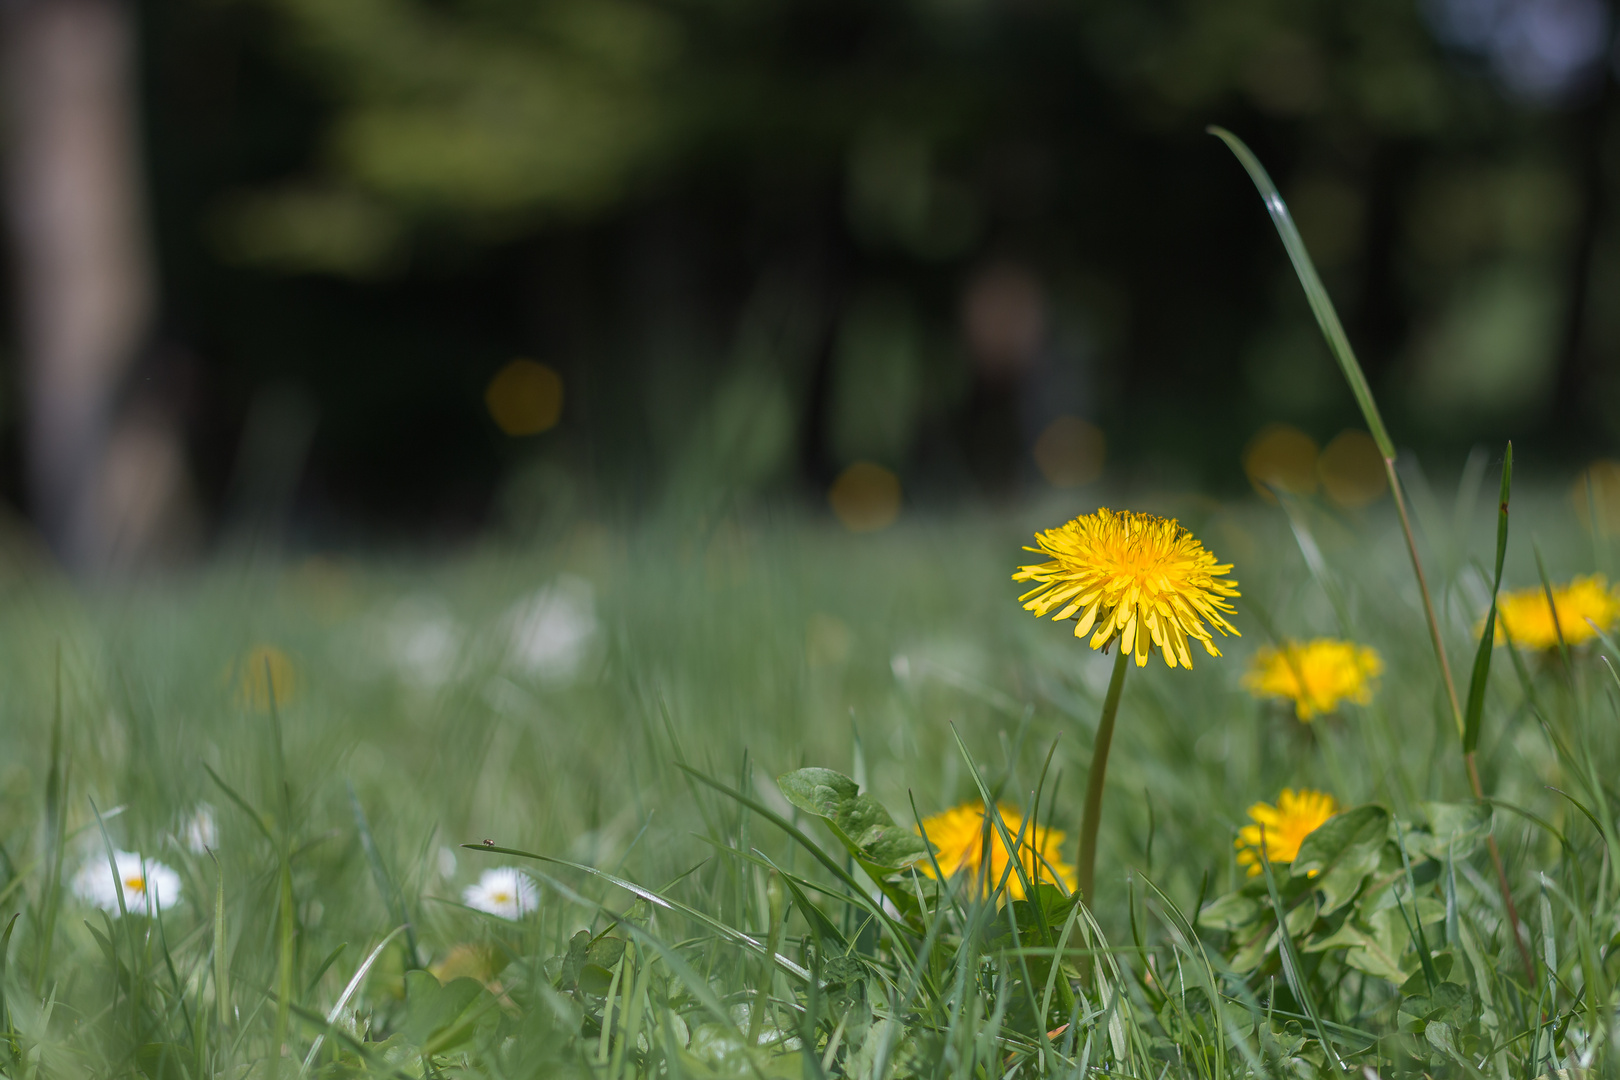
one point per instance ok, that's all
(148, 885)
(199, 832)
(505, 891)
(550, 631)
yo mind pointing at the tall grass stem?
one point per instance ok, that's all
(1327, 318)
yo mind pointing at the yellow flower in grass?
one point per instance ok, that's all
(1138, 577)
(957, 837)
(1282, 828)
(262, 675)
(1315, 675)
(1525, 614)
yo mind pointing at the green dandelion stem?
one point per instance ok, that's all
(1099, 770)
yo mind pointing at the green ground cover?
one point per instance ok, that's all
(546, 701)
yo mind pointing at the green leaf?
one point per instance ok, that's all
(438, 1018)
(1342, 852)
(1232, 911)
(1456, 828)
(1487, 637)
(1373, 945)
(859, 821)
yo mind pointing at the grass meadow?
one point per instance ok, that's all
(622, 704)
(647, 804)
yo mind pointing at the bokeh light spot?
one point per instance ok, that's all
(261, 675)
(1281, 457)
(1352, 470)
(525, 398)
(1597, 488)
(1069, 452)
(866, 497)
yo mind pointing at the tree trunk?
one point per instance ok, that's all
(105, 469)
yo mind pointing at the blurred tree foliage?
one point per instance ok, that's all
(761, 240)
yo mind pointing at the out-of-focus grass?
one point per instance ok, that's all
(541, 699)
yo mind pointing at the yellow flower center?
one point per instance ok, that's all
(135, 883)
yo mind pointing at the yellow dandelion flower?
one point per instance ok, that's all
(1282, 828)
(1525, 614)
(1315, 675)
(261, 674)
(957, 837)
(1138, 577)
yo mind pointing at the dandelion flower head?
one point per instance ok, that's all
(148, 886)
(264, 676)
(1315, 675)
(504, 891)
(1138, 577)
(957, 837)
(1282, 828)
(1525, 615)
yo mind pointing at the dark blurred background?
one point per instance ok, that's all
(383, 269)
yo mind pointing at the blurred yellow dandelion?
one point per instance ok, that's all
(1281, 457)
(1282, 828)
(1315, 675)
(865, 497)
(260, 673)
(1139, 577)
(1526, 616)
(1351, 469)
(525, 398)
(957, 837)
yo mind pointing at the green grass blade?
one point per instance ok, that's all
(1552, 609)
(1321, 304)
(832, 865)
(392, 898)
(349, 991)
(1292, 971)
(1487, 638)
(5, 1016)
(658, 900)
(56, 789)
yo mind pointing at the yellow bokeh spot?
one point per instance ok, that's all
(866, 497)
(1281, 457)
(1598, 489)
(1070, 452)
(262, 674)
(525, 398)
(1352, 470)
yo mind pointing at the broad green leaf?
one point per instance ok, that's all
(859, 821)
(1340, 854)
(1231, 911)
(1456, 828)
(1374, 947)
(437, 1017)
